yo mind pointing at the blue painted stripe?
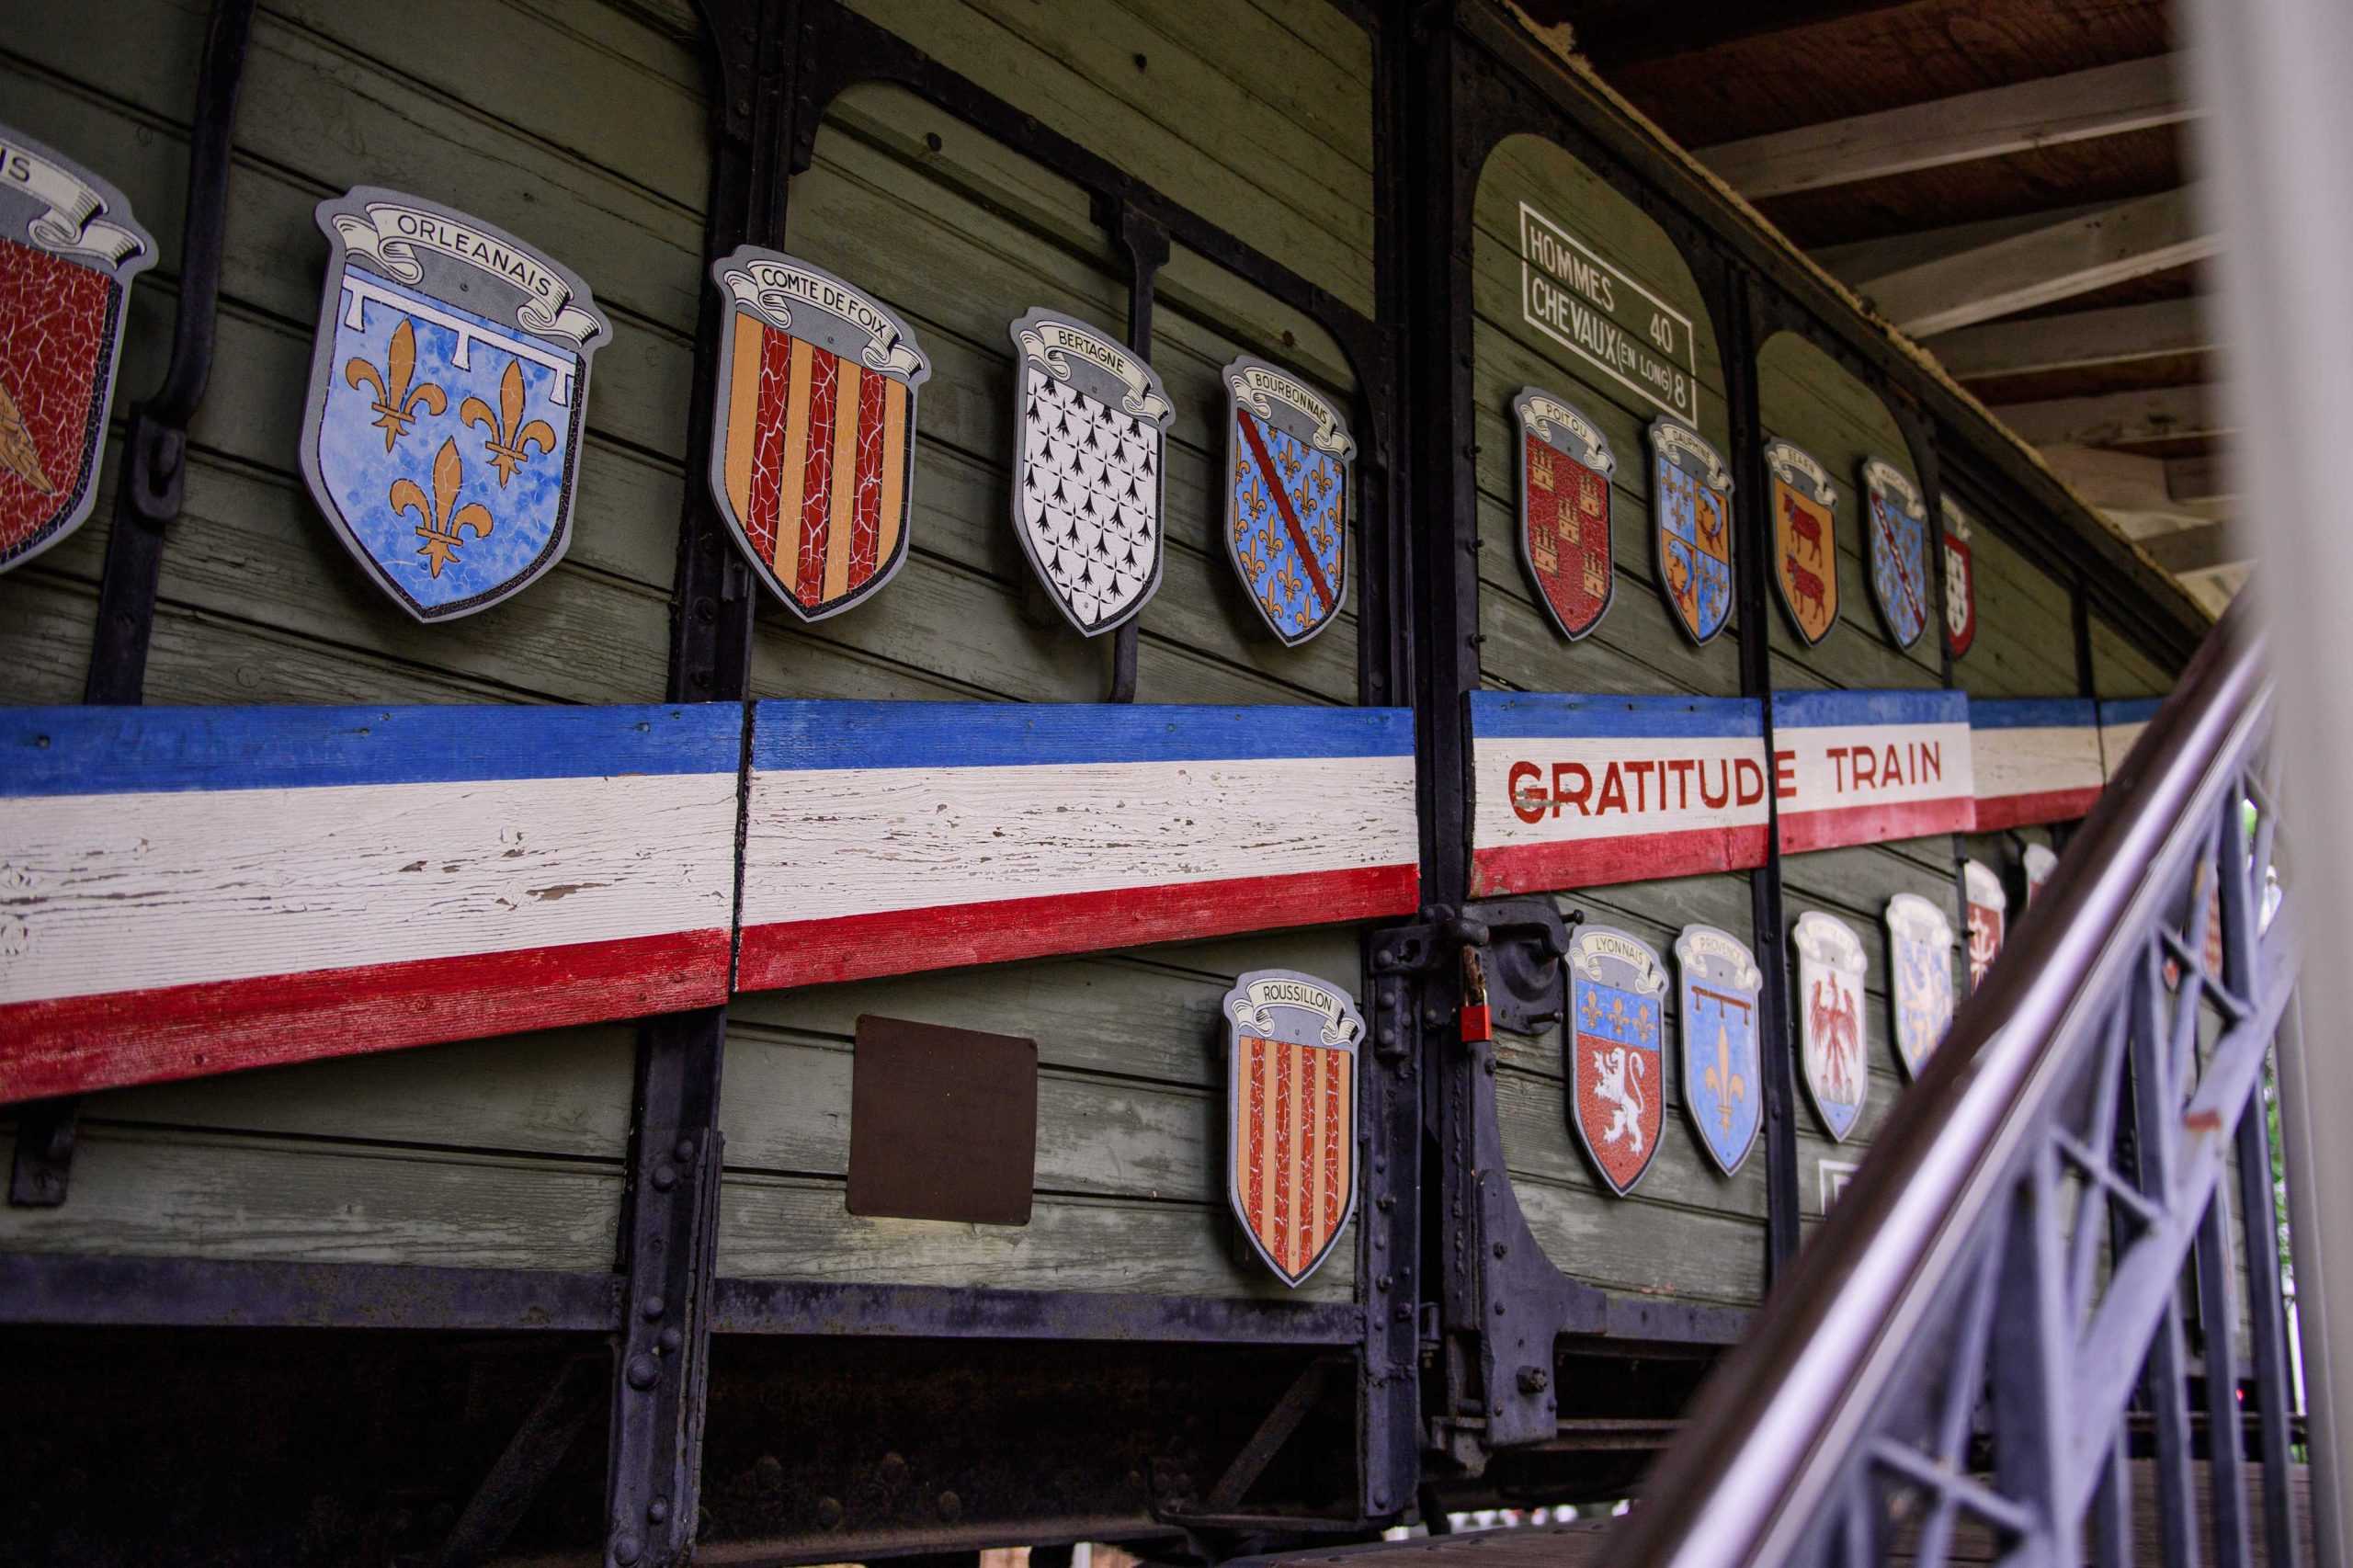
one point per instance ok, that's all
(1821, 709)
(1544, 715)
(2033, 713)
(2132, 711)
(112, 751)
(798, 735)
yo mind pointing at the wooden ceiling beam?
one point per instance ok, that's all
(2200, 480)
(2059, 261)
(2116, 419)
(2107, 100)
(1642, 31)
(2200, 549)
(2087, 338)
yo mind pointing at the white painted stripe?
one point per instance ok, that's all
(1645, 799)
(2116, 744)
(827, 842)
(1814, 767)
(2034, 762)
(128, 891)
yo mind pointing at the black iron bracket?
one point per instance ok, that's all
(147, 503)
(1144, 241)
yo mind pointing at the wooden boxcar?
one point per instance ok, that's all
(310, 1307)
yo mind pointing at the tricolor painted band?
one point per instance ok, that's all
(2120, 724)
(1582, 791)
(1866, 766)
(892, 836)
(2036, 761)
(192, 890)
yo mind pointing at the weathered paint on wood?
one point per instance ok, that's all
(198, 890)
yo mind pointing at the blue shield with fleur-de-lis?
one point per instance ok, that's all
(1724, 1089)
(449, 378)
(1287, 454)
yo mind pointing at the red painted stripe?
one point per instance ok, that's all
(856, 947)
(1284, 1176)
(2034, 806)
(1801, 831)
(1255, 1134)
(1273, 476)
(1597, 862)
(1335, 1063)
(768, 458)
(1311, 1184)
(817, 475)
(865, 522)
(68, 1045)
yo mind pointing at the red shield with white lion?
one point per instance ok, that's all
(1617, 1063)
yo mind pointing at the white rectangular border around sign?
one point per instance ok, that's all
(1690, 337)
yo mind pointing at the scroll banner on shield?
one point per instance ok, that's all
(886, 837)
(2036, 761)
(190, 891)
(1867, 766)
(1583, 790)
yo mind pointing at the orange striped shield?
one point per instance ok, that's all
(1292, 1116)
(814, 437)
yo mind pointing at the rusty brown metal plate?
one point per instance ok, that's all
(943, 1123)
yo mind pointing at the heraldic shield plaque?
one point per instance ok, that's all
(1919, 941)
(1087, 482)
(1616, 1060)
(1830, 1020)
(1287, 457)
(1805, 539)
(69, 249)
(1989, 910)
(813, 454)
(447, 382)
(1961, 582)
(1291, 1118)
(1691, 528)
(1898, 551)
(1565, 466)
(1722, 1088)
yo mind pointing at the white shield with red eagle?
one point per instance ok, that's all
(1830, 1020)
(1292, 1116)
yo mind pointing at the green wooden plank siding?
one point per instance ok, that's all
(509, 1152)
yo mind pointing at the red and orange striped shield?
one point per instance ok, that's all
(814, 438)
(1293, 1115)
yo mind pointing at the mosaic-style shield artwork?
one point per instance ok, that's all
(1919, 941)
(68, 250)
(2040, 863)
(449, 381)
(1616, 1066)
(1565, 466)
(1897, 550)
(812, 452)
(1830, 1020)
(1691, 528)
(1723, 1081)
(1805, 539)
(1292, 1042)
(1287, 458)
(1089, 420)
(1961, 582)
(1988, 911)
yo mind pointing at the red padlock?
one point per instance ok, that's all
(1478, 1025)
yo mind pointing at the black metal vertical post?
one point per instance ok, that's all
(1389, 1265)
(670, 1203)
(1753, 530)
(1144, 243)
(147, 498)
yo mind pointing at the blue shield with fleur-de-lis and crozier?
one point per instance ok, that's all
(1722, 1084)
(1287, 454)
(447, 384)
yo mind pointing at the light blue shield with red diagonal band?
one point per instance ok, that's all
(1287, 527)
(1898, 549)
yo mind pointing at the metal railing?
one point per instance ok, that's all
(1990, 1326)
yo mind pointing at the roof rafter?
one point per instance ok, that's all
(2058, 261)
(2106, 100)
(2113, 336)
(2113, 419)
